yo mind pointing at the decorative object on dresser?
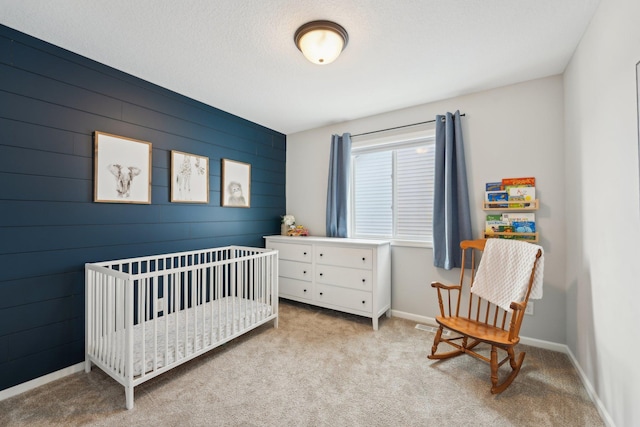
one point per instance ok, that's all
(288, 222)
(348, 275)
(147, 315)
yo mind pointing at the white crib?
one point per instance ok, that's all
(145, 316)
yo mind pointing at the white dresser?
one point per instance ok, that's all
(349, 275)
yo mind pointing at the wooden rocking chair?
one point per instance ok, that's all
(481, 321)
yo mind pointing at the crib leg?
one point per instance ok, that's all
(87, 365)
(275, 323)
(128, 392)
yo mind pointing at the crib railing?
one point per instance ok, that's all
(146, 315)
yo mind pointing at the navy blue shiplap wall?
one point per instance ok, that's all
(51, 102)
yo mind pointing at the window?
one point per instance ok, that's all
(392, 189)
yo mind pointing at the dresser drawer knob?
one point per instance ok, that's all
(305, 254)
(320, 293)
(304, 272)
(304, 290)
(364, 302)
(363, 280)
(321, 274)
(364, 259)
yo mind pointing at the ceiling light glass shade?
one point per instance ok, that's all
(321, 42)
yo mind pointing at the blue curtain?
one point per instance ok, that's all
(338, 189)
(451, 213)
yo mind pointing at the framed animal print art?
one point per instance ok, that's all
(121, 169)
(236, 184)
(189, 178)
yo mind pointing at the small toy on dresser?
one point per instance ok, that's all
(288, 222)
(288, 227)
(298, 231)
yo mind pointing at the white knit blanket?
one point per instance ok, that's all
(504, 271)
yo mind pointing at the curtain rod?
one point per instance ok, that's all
(398, 127)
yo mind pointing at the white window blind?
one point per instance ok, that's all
(373, 193)
(392, 193)
(414, 193)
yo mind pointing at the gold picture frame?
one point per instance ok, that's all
(121, 169)
(235, 184)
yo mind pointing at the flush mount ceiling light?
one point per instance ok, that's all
(321, 42)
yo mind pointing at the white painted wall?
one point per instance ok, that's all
(603, 262)
(509, 132)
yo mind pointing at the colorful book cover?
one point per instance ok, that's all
(524, 226)
(496, 196)
(493, 225)
(521, 193)
(529, 181)
(520, 237)
(512, 217)
(493, 186)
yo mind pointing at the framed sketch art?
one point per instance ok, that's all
(121, 169)
(189, 178)
(236, 184)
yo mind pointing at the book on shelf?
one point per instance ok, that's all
(517, 192)
(520, 193)
(513, 236)
(521, 222)
(524, 226)
(505, 229)
(496, 196)
(519, 216)
(493, 186)
(494, 222)
(527, 181)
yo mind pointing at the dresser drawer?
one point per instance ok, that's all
(344, 257)
(293, 252)
(294, 288)
(343, 297)
(295, 270)
(346, 277)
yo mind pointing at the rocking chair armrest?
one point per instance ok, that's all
(439, 285)
(517, 306)
(442, 288)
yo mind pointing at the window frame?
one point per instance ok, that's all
(396, 140)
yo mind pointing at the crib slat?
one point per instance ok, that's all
(154, 312)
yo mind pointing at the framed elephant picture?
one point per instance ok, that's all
(121, 169)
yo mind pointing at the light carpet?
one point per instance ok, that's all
(319, 368)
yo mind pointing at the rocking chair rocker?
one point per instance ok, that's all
(495, 296)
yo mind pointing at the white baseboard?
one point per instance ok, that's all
(534, 342)
(37, 382)
(414, 317)
(590, 390)
(524, 340)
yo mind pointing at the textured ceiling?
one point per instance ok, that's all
(239, 55)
